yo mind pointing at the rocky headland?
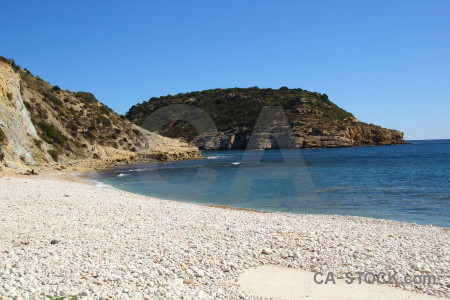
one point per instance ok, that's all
(310, 118)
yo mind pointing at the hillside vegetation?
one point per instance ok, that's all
(314, 119)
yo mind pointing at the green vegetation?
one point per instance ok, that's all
(53, 99)
(236, 110)
(10, 62)
(86, 97)
(180, 129)
(51, 135)
(105, 121)
(137, 132)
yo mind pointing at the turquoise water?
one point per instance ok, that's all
(407, 183)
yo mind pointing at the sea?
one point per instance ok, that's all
(407, 183)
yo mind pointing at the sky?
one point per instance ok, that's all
(387, 62)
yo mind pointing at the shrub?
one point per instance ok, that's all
(42, 112)
(11, 62)
(105, 121)
(86, 97)
(51, 134)
(88, 135)
(72, 126)
(105, 109)
(27, 105)
(53, 99)
(3, 138)
(38, 143)
(56, 88)
(55, 153)
(325, 98)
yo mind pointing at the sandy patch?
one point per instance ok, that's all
(287, 283)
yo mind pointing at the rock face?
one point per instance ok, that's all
(311, 120)
(15, 123)
(42, 125)
(221, 140)
(162, 148)
(228, 141)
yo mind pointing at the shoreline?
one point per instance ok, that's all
(75, 177)
(89, 165)
(187, 248)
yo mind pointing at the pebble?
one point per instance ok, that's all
(189, 281)
(119, 245)
(267, 251)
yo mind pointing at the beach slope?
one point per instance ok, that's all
(69, 238)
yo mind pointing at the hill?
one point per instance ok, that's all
(315, 121)
(43, 125)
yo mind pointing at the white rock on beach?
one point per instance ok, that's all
(267, 251)
(114, 244)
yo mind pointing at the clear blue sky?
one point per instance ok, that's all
(388, 62)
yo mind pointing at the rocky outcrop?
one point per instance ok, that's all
(228, 141)
(218, 141)
(42, 125)
(310, 119)
(162, 148)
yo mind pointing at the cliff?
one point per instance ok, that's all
(314, 121)
(43, 125)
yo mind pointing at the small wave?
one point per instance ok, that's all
(236, 163)
(123, 175)
(216, 157)
(103, 185)
(136, 170)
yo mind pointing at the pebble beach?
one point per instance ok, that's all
(63, 238)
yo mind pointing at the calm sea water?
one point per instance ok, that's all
(407, 183)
